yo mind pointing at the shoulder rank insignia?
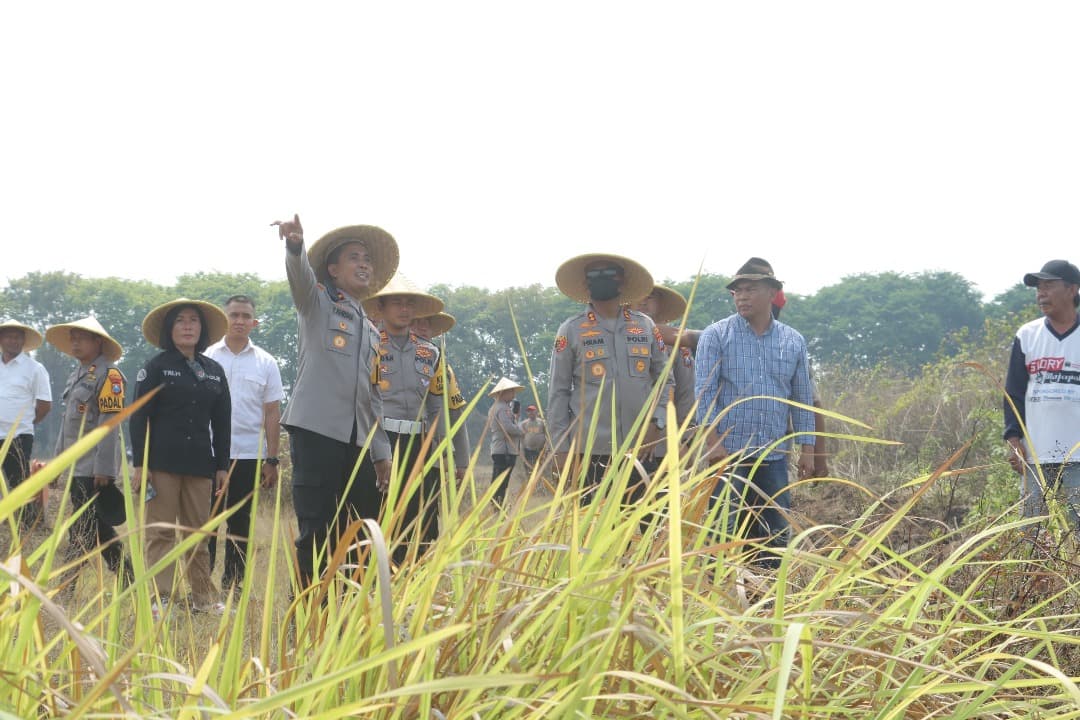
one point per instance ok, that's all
(659, 337)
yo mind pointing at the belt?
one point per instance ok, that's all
(403, 427)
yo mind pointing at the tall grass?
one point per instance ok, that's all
(555, 609)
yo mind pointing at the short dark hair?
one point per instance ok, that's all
(166, 341)
(243, 299)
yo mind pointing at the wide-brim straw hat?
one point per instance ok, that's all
(59, 336)
(217, 323)
(440, 323)
(670, 304)
(426, 304)
(32, 337)
(380, 245)
(570, 278)
(504, 383)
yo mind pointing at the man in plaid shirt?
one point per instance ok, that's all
(746, 365)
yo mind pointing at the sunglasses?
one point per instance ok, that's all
(601, 273)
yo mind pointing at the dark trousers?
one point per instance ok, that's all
(423, 507)
(89, 530)
(322, 467)
(16, 468)
(241, 485)
(594, 473)
(759, 501)
(502, 466)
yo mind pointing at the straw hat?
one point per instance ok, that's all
(59, 336)
(400, 285)
(670, 304)
(217, 323)
(504, 383)
(380, 245)
(33, 337)
(440, 323)
(570, 277)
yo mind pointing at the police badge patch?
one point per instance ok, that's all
(560, 343)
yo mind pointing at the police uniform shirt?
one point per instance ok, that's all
(505, 433)
(594, 358)
(337, 373)
(455, 401)
(94, 392)
(182, 415)
(408, 366)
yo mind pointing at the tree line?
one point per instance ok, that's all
(902, 320)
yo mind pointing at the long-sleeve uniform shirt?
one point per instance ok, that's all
(93, 392)
(505, 433)
(337, 374)
(1043, 381)
(682, 373)
(597, 359)
(734, 363)
(455, 401)
(411, 382)
(189, 420)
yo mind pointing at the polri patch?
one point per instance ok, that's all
(560, 343)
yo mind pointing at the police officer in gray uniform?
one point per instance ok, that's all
(412, 401)
(432, 328)
(94, 393)
(335, 408)
(606, 350)
(664, 305)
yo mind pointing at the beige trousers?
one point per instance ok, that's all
(183, 500)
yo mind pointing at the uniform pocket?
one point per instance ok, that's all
(639, 361)
(341, 336)
(596, 370)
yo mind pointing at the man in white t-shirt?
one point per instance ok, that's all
(1043, 385)
(25, 400)
(255, 386)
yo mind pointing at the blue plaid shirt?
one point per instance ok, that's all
(734, 363)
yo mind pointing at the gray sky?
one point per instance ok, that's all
(496, 140)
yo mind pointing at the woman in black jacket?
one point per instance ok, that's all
(184, 431)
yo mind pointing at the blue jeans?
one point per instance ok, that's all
(759, 502)
(1062, 479)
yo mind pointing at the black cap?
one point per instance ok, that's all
(1054, 270)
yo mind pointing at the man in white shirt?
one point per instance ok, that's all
(25, 400)
(255, 386)
(1042, 385)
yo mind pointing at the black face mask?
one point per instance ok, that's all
(603, 288)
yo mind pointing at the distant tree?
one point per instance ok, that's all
(1017, 302)
(899, 319)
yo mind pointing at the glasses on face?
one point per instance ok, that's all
(608, 272)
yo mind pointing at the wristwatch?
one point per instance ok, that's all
(271, 461)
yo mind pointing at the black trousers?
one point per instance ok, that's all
(16, 468)
(89, 530)
(421, 511)
(322, 467)
(502, 466)
(238, 526)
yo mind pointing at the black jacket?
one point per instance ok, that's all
(189, 420)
